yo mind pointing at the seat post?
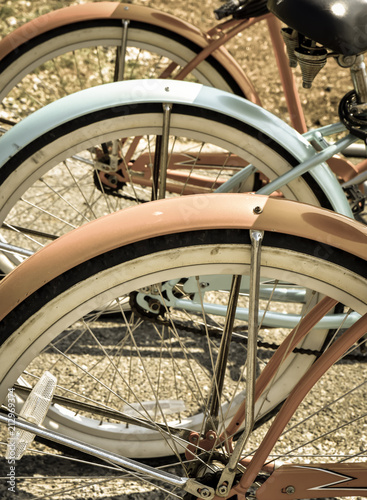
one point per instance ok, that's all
(359, 78)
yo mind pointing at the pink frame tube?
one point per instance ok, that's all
(286, 76)
(326, 360)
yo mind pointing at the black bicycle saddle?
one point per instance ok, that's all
(339, 25)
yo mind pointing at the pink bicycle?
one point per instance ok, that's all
(90, 44)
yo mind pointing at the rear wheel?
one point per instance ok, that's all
(157, 362)
(65, 178)
(82, 55)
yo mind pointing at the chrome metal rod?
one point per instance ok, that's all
(163, 160)
(359, 78)
(128, 463)
(222, 359)
(119, 77)
(5, 247)
(228, 474)
(122, 51)
(253, 330)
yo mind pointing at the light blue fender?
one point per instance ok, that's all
(170, 91)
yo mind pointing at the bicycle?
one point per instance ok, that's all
(140, 37)
(76, 124)
(168, 275)
(159, 388)
(34, 211)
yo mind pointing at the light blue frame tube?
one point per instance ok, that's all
(271, 319)
(307, 165)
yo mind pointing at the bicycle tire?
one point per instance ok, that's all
(34, 180)
(48, 63)
(68, 298)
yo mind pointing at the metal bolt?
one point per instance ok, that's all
(203, 284)
(223, 489)
(204, 493)
(257, 210)
(154, 305)
(167, 89)
(155, 289)
(346, 61)
(290, 489)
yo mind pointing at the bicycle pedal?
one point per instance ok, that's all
(34, 410)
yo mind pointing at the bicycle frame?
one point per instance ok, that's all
(188, 183)
(255, 213)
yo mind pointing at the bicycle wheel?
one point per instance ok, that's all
(159, 366)
(85, 54)
(62, 179)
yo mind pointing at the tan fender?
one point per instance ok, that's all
(115, 10)
(198, 212)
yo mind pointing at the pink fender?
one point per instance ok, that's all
(197, 212)
(115, 10)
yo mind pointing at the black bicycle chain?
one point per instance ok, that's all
(156, 318)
